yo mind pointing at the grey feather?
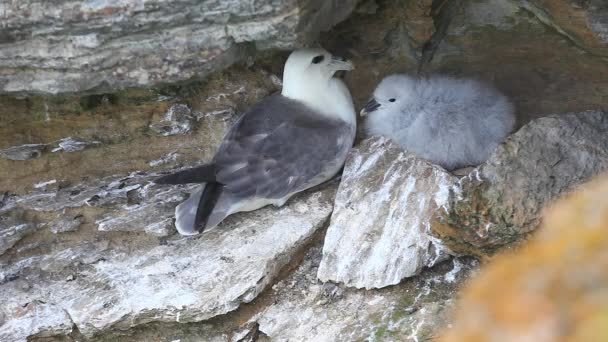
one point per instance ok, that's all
(279, 147)
(185, 213)
(451, 122)
(199, 174)
(284, 144)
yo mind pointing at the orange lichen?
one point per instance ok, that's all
(553, 289)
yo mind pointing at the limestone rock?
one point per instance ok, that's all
(70, 144)
(13, 227)
(171, 157)
(33, 319)
(65, 224)
(23, 152)
(177, 120)
(552, 289)
(31, 151)
(306, 310)
(122, 125)
(105, 285)
(71, 46)
(379, 231)
(501, 201)
(147, 207)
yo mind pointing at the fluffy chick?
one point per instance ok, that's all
(450, 122)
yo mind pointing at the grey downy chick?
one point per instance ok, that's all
(450, 122)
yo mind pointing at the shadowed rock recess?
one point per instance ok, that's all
(100, 97)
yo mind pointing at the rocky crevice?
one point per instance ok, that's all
(544, 17)
(442, 12)
(97, 227)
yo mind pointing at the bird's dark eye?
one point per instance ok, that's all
(318, 59)
(392, 100)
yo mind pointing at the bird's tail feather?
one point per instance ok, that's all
(206, 205)
(199, 212)
(199, 174)
(185, 213)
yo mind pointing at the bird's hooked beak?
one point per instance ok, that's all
(340, 63)
(371, 106)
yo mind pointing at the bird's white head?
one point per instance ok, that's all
(391, 94)
(309, 77)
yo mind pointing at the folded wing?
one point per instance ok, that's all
(278, 148)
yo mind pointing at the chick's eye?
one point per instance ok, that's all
(392, 100)
(318, 59)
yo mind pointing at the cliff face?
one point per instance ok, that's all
(99, 97)
(100, 46)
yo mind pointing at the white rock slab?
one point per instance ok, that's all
(182, 280)
(34, 319)
(415, 310)
(379, 231)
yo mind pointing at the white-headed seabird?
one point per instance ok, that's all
(284, 144)
(450, 122)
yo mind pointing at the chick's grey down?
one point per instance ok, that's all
(284, 144)
(450, 122)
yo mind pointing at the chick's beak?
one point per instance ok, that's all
(371, 106)
(340, 63)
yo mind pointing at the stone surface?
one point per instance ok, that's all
(13, 227)
(583, 22)
(103, 286)
(31, 151)
(380, 228)
(97, 46)
(65, 224)
(501, 201)
(306, 310)
(23, 152)
(177, 120)
(34, 319)
(552, 289)
(70, 144)
(121, 123)
(546, 55)
(138, 207)
(541, 53)
(597, 18)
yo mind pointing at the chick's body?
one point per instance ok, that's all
(450, 122)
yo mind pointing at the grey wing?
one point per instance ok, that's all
(272, 154)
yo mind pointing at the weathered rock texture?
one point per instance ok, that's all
(116, 131)
(73, 46)
(36, 319)
(584, 22)
(501, 201)
(99, 285)
(542, 53)
(13, 228)
(305, 310)
(60, 155)
(553, 289)
(380, 227)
